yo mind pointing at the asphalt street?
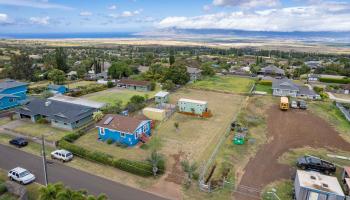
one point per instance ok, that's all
(76, 179)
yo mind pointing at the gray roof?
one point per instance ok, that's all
(9, 83)
(192, 70)
(272, 69)
(284, 84)
(304, 90)
(57, 110)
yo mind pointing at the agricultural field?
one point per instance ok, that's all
(113, 95)
(228, 84)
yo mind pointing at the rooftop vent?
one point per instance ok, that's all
(313, 177)
(108, 120)
(324, 185)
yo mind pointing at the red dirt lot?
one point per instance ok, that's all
(286, 130)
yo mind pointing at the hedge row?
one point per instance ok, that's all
(83, 90)
(334, 80)
(265, 82)
(3, 188)
(135, 167)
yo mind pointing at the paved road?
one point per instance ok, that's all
(12, 157)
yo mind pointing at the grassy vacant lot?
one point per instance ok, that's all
(235, 157)
(4, 120)
(263, 88)
(36, 130)
(111, 96)
(229, 84)
(333, 115)
(197, 137)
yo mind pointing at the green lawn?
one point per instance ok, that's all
(225, 83)
(263, 88)
(283, 189)
(36, 130)
(4, 120)
(79, 83)
(333, 115)
(90, 141)
(114, 95)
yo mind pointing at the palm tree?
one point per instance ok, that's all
(189, 168)
(50, 191)
(154, 160)
(69, 194)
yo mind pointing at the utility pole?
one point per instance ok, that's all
(44, 159)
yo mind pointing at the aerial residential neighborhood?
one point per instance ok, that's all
(178, 100)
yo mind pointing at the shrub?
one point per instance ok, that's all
(42, 121)
(110, 84)
(265, 82)
(318, 90)
(71, 137)
(3, 188)
(334, 80)
(135, 167)
(110, 141)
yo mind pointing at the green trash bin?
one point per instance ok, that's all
(239, 139)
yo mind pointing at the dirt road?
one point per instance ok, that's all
(286, 130)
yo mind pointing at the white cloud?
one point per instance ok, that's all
(206, 8)
(246, 3)
(3, 17)
(34, 4)
(112, 7)
(85, 13)
(40, 20)
(325, 16)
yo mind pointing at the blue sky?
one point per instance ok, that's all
(42, 16)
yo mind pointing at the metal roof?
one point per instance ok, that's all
(77, 101)
(162, 94)
(193, 101)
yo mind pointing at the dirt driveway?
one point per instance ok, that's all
(286, 130)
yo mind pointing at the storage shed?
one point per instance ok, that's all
(309, 185)
(192, 106)
(154, 113)
(161, 97)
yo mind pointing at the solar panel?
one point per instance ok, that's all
(108, 120)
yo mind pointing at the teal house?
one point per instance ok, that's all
(124, 130)
(12, 93)
(57, 89)
(192, 106)
(161, 97)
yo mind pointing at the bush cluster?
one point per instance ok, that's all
(83, 90)
(265, 82)
(3, 188)
(334, 80)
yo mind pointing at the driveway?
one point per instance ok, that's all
(76, 179)
(340, 100)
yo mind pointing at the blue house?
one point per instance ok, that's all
(12, 93)
(122, 129)
(57, 89)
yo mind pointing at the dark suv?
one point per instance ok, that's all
(19, 142)
(316, 164)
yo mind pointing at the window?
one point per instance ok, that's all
(102, 131)
(12, 100)
(65, 123)
(122, 134)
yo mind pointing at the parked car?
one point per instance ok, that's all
(62, 155)
(316, 164)
(302, 104)
(19, 142)
(294, 104)
(21, 175)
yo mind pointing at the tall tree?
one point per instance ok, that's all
(177, 74)
(171, 57)
(61, 60)
(22, 68)
(57, 76)
(154, 160)
(119, 69)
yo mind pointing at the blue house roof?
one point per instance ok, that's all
(9, 83)
(8, 95)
